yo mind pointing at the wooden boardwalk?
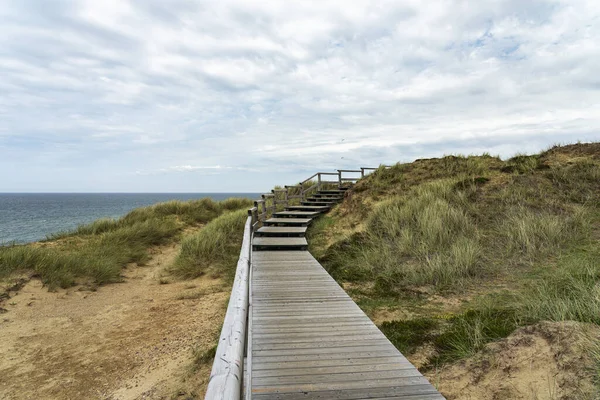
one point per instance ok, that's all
(307, 338)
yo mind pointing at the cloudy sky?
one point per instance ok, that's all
(237, 95)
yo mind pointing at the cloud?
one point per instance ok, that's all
(92, 92)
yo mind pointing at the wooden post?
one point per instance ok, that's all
(362, 172)
(265, 208)
(274, 202)
(287, 200)
(319, 182)
(255, 215)
(339, 178)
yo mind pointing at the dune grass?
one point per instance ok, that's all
(214, 249)
(529, 225)
(187, 213)
(95, 253)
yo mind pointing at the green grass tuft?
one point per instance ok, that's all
(409, 335)
(467, 333)
(216, 247)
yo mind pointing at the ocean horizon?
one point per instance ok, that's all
(29, 217)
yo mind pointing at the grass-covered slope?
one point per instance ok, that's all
(214, 249)
(95, 253)
(456, 252)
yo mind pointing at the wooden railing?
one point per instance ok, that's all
(227, 374)
(228, 368)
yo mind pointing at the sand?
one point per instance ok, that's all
(131, 340)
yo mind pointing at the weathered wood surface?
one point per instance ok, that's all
(308, 208)
(287, 221)
(318, 203)
(227, 370)
(279, 242)
(309, 340)
(302, 214)
(282, 230)
(327, 196)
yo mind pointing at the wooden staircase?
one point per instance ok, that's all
(291, 332)
(286, 230)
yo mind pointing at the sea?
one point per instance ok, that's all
(29, 217)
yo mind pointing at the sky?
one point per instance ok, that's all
(239, 95)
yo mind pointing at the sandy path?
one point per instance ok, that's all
(125, 341)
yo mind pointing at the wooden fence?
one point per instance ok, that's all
(227, 374)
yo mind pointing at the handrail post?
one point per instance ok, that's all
(362, 172)
(274, 200)
(287, 200)
(339, 178)
(265, 208)
(319, 182)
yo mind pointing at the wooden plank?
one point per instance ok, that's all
(299, 214)
(311, 208)
(357, 326)
(333, 312)
(401, 391)
(333, 378)
(322, 351)
(341, 338)
(314, 357)
(364, 385)
(288, 221)
(318, 344)
(278, 365)
(281, 230)
(266, 373)
(279, 241)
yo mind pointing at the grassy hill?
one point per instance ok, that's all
(94, 254)
(450, 254)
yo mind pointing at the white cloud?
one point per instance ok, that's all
(271, 88)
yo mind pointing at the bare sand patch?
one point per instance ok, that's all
(130, 340)
(546, 361)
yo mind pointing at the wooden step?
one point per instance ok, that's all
(308, 208)
(281, 231)
(327, 196)
(279, 243)
(288, 221)
(338, 192)
(292, 214)
(327, 204)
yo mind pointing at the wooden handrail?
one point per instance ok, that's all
(228, 368)
(308, 179)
